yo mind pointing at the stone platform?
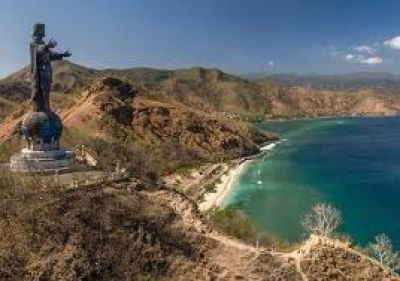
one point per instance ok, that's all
(41, 160)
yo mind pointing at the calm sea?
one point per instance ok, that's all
(354, 164)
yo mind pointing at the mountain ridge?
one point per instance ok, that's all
(214, 91)
(345, 81)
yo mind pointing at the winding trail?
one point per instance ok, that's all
(238, 256)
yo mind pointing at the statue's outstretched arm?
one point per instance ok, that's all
(53, 55)
(59, 56)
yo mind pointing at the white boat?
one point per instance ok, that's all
(259, 181)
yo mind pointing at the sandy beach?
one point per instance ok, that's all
(227, 180)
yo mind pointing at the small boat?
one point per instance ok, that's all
(259, 181)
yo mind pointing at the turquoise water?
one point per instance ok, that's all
(354, 164)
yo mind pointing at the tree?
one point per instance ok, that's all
(323, 219)
(382, 250)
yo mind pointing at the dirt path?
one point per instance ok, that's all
(241, 260)
(300, 253)
(232, 242)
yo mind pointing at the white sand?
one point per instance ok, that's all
(214, 199)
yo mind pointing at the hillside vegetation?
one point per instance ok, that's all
(213, 91)
(289, 102)
(121, 123)
(336, 82)
(155, 122)
(132, 231)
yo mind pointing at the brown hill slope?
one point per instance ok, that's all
(112, 110)
(204, 89)
(67, 76)
(15, 89)
(212, 90)
(305, 102)
(117, 122)
(127, 231)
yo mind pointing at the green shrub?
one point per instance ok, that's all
(234, 223)
(275, 242)
(210, 187)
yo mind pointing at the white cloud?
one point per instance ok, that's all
(368, 54)
(349, 57)
(393, 42)
(363, 59)
(365, 49)
(271, 63)
(372, 60)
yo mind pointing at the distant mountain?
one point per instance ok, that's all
(335, 82)
(214, 91)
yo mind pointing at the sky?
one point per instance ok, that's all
(237, 36)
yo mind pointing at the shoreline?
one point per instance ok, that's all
(229, 177)
(283, 119)
(215, 199)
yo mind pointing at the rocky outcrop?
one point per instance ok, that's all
(157, 122)
(335, 263)
(112, 103)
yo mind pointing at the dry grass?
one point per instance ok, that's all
(47, 233)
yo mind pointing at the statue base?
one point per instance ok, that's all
(39, 161)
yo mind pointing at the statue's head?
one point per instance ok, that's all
(38, 31)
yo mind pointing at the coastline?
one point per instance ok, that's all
(283, 119)
(227, 180)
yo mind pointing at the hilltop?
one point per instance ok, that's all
(205, 89)
(214, 91)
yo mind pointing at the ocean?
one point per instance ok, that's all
(352, 163)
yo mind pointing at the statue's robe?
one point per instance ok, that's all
(41, 75)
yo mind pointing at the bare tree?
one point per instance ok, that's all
(382, 250)
(323, 219)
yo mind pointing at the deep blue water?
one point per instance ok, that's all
(353, 163)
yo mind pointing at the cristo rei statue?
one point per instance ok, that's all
(41, 71)
(42, 127)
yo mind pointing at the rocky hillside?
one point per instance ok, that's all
(290, 102)
(211, 90)
(142, 229)
(205, 89)
(120, 123)
(111, 109)
(130, 231)
(336, 82)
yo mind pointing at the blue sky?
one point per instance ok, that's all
(239, 36)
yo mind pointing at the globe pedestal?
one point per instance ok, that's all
(41, 161)
(42, 131)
